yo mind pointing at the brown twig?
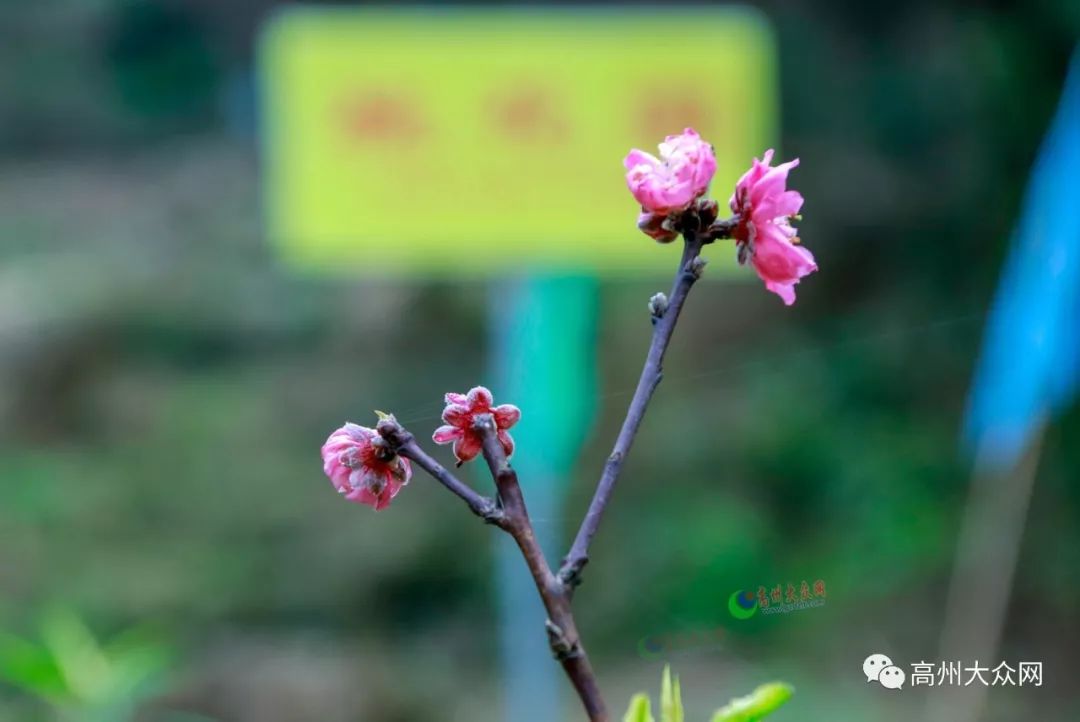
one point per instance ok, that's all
(562, 630)
(508, 511)
(665, 316)
(404, 443)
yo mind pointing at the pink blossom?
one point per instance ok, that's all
(460, 415)
(765, 209)
(362, 467)
(673, 181)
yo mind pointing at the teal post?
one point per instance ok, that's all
(543, 360)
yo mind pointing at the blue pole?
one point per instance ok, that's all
(543, 360)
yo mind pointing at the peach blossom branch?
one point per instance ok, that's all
(404, 443)
(562, 629)
(665, 316)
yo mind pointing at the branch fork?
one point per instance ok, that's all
(507, 510)
(370, 466)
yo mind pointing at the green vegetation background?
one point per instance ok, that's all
(165, 385)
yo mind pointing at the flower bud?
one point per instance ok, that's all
(673, 181)
(363, 467)
(658, 305)
(460, 417)
(707, 211)
(657, 227)
(697, 266)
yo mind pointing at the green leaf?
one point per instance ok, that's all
(671, 709)
(81, 660)
(639, 710)
(31, 667)
(757, 705)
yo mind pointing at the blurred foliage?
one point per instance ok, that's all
(162, 62)
(754, 707)
(165, 386)
(757, 705)
(81, 679)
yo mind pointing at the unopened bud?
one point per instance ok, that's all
(707, 210)
(657, 226)
(362, 466)
(469, 416)
(658, 305)
(697, 266)
(386, 424)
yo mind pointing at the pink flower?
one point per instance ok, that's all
(362, 467)
(765, 209)
(460, 414)
(673, 181)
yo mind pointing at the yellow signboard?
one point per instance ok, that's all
(432, 140)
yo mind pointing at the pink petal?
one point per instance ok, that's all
(452, 398)
(400, 472)
(446, 434)
(773, 183)
(360, 478)
(480, 399)
(457, 415)
(364, 495)
(758, 168)
(808, 265)
(788, 204)
(638, 158)
(781, 264)
(506, 415)
(467, 447)
(339, 477)
(786, 291)
(507, 442)
(358, 432)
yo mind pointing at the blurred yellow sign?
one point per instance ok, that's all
(432, 140)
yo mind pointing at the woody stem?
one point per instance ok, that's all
(561, 628)
(664, 321)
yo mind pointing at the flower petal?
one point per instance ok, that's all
(457, 415)
(480, 399)
(446, 434)
(400, 472)
(506, 415)
(788, 204)
(786, 291)
(637, 158)
(507, 442)
(467, 447)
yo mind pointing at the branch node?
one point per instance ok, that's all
(658, 306)
(570, 574)
(720, 229)
(491, 512)
(561, 646)
(697, 266)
